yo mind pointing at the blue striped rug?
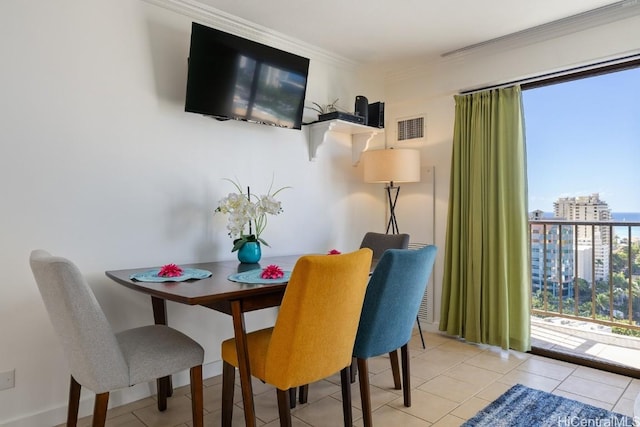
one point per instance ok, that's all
(527, 407)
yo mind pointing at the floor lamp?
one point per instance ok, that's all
(391, 166)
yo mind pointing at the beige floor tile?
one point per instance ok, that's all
(326, 412)
(379, 396)
(469, 408)
(584, 399)
(624, 406)
(214, 419)
(544, 367)
(530, 380)
(493, 391)
(473, 374)
(388, 416)
(607, 378)
(591, 389)
(178, 411)
(434, 363)
(427, 406)
(449, 421)
(632, 390)
(501, 362)
(451, 388)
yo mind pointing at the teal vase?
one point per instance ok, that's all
(250, 253)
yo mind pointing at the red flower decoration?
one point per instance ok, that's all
(170, 270)
(334, 252)
(272, 272)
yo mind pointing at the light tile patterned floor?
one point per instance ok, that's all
(451, 380)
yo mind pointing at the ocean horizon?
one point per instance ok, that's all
(620, 231)
(616, 216)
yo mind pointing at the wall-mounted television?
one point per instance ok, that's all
(231, 77)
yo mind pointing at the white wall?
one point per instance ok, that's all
(101, 164)
(429, 89)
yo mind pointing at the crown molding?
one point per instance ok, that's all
(569, 25)
(220, 20)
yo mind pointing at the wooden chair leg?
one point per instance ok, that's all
(284, 408)
(395, 369)
(354, 369)
(228, 385)
(304, 393)
(406, 382)
(292, 397)
(163, 385)
(345, 381)
(74, 403)
(365, 393)
(100, 409)
(197, 402)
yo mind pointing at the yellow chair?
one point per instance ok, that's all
(314, 333)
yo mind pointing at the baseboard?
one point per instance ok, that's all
(58, 415)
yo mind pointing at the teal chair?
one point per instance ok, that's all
(390, 307)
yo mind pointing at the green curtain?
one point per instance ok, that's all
(486, 280)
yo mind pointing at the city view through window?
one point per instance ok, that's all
(583, 166)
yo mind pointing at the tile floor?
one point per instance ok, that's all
(451, 380)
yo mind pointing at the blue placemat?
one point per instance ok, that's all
(187, 273)
(253, 277)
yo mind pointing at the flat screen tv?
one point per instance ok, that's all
(231, 77)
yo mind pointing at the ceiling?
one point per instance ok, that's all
(375, 31)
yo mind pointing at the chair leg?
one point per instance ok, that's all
(100, 409)
(163, 385)
(354, 369)
(74, 403)
(228, 385)
(197, 403)
(406, 382)
(284, 408)
(395, 369)
(304, 393)
(345, 381)
(292, 397)
(365, 392)
(420, 330)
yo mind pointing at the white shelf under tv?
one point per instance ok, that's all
(360, 135)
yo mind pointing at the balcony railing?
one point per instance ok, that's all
(587, 271)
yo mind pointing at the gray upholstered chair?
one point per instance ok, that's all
(99, 359)
(379, 242)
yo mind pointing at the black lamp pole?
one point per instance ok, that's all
(392, 199)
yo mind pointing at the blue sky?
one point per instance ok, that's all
(583, 137)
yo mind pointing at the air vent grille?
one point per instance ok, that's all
(411, 129)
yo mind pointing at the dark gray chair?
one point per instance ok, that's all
(101, 360)
(379, 242)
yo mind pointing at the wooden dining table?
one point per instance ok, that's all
(218, 293)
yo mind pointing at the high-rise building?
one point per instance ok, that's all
(593, 211)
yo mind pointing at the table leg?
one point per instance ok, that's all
(164, 384)
(243, 363)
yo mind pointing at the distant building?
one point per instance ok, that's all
(552, 260)
(592, 210)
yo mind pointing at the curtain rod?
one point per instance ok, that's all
(602, 67)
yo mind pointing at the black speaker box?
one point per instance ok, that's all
(376, 115)
(361, 108)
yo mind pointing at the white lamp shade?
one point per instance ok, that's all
(392, 165)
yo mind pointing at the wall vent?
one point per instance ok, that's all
(412, 128)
